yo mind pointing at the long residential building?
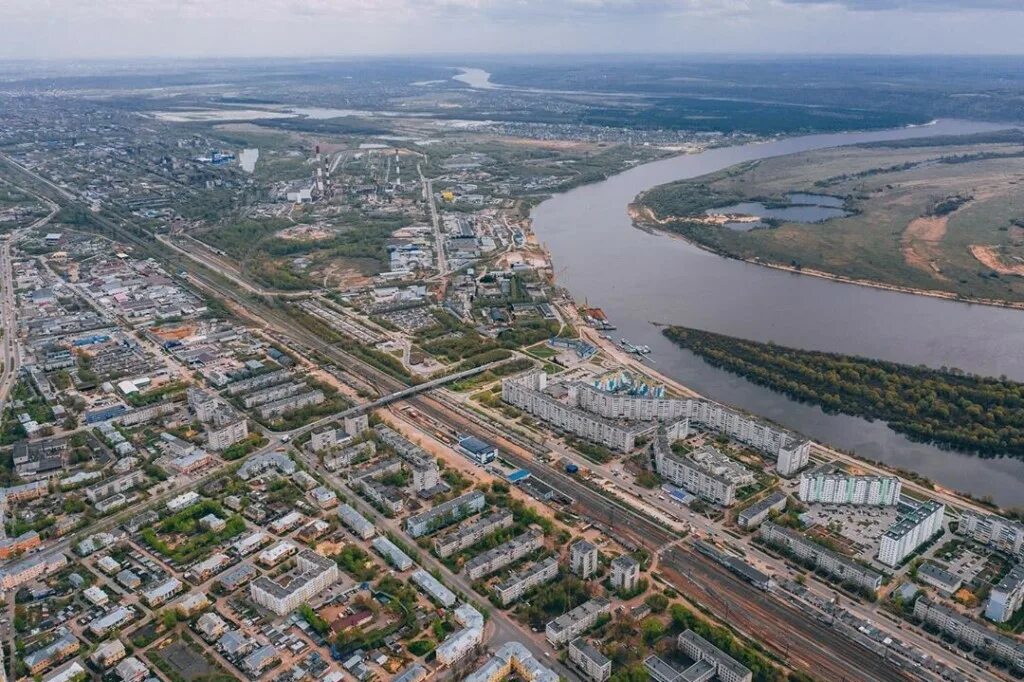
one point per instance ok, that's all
(356, 522)
(706, 477)
(390, 551)
(291, 404)
(971, 632)
(257, 382)
(754, 515)
(504, 554)
(768, 438)
(831, 562)
(433, 587)
(461, 642)
(829, 485)
(571, 625)
(471, 532)
(444, 514)
(995, 531)
(313, 573)
(726, 668)
(522, 582)
(910, 531)
(526, 392)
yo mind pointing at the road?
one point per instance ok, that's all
(9, 350)
(435, 220)
(801, 648)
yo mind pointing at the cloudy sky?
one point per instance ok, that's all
(144, 28)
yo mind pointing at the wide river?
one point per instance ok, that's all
(640, 278)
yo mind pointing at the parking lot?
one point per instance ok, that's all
(863, 527)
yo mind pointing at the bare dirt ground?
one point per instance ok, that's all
(305, 233)
(920, 241)
(990, 258)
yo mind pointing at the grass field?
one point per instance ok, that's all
(942, 216)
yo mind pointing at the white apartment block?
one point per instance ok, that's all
(698, 477)
(471, 532)
(592, 663)
(827, 485)
(583, 558)
(996, 531)
(910, 532)
(571, 625)
(226, 430)
(1006, 597)
(625, 573)
(504, 554)
(313, 574)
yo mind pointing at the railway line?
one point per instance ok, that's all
(792, 635)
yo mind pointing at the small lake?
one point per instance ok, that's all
(802, 208)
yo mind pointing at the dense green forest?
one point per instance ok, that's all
(945, 407)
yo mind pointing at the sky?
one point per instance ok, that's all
(84, 29)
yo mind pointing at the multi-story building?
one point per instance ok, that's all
(527, 393)
(504, 554)
(257, 465)
(592, 663)
(754, 515)
(111, 620)
(26, 541)
(269, 395)
(1006, 597)
(726, 668)
(108, 654)
(313, 573)
(461, 642)
(112, 486)
(390, 551)
(444, 514)
(16, 575)
(522, 582)
(51, 654)
(257, 382)
(471, 532)
(571, 625)
(995, 531)
(356, 522)
(705, 473)
(346, 457)
(225, 429)
(792, 458)
(384, 496)
(183, 501)
(282, 407)
(434, 588)
(160, 594)
(583, 558)
(823, 558)
(513, 659)
(971, 632)
(202, 403)
(910, 531)
(275, 554)
(829, 485)
(625, 573)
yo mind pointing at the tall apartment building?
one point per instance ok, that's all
(831, 562)
(202, 403)
(829, 485)
(225, 429)
(313, 574)
(793, 457)
(910, 532)
(625, 573)
(1006, 597)
(583, 559)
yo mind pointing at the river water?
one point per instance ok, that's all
(640, 279)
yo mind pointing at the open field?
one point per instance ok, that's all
(942, 215)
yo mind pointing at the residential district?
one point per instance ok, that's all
(356, 432)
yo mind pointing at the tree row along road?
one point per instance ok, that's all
(804, 642)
